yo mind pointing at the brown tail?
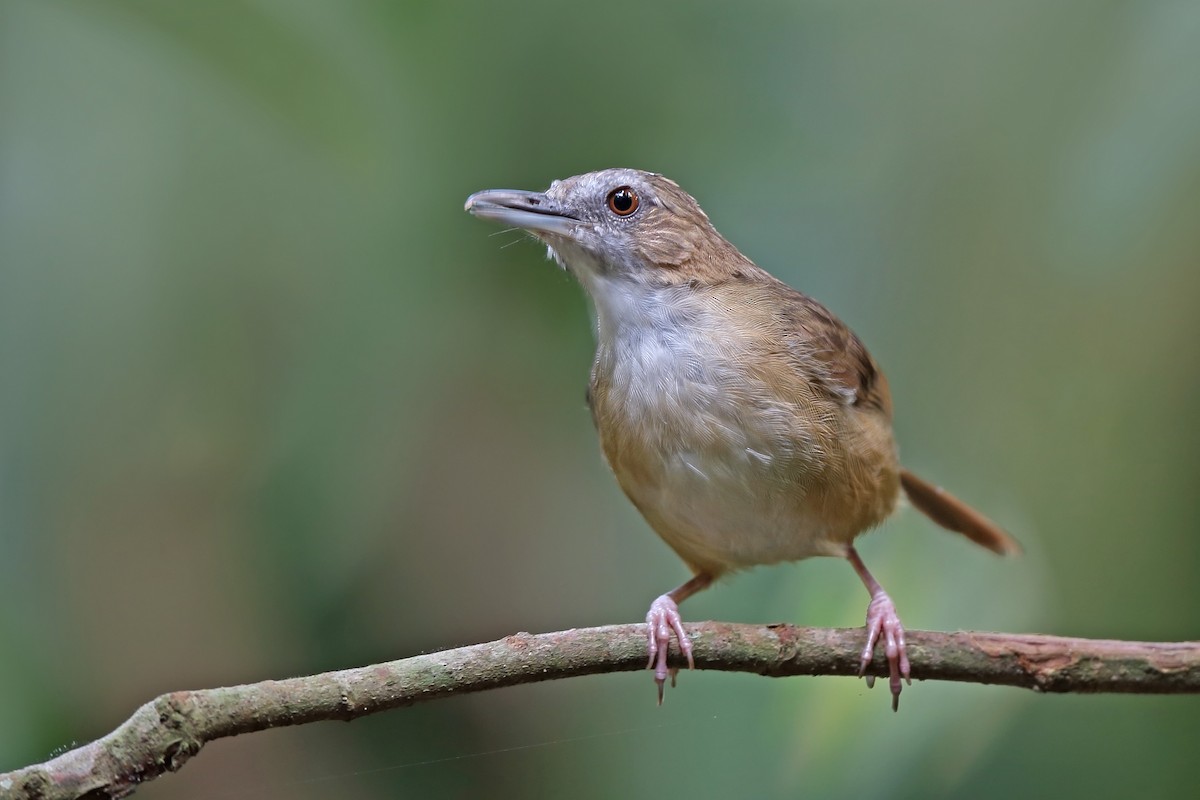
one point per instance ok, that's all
(953, 514)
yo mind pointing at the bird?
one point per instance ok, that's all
(745, 422)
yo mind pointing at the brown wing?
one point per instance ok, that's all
(850, 373)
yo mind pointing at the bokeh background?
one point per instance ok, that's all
(271, 403)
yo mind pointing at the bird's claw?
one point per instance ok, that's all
(882, 620)
(663, 620)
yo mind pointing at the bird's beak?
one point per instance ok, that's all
(531, 211)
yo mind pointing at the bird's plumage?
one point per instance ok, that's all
(745, 421)
(734, 462)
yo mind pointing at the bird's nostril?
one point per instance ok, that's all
(533, 201)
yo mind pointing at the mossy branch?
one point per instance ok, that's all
(163, 734)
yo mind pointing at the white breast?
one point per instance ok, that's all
(725, 457)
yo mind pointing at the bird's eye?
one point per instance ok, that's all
(622, 201)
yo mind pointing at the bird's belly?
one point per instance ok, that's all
(729, 468)
(727, 483)
(730, 508)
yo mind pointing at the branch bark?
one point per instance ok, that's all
(163, 734)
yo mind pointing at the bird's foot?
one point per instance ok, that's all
(661, 621)
(882, 620)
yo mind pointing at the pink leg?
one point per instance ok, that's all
(661, 621)
(882, 619)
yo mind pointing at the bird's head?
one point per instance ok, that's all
(618, 224)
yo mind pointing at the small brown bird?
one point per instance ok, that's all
(744, 421)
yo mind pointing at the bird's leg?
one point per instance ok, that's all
(663, 619)
(882, 619)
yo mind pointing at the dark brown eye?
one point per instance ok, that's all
(622, 201)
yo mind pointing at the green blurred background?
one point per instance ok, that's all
(271, 403)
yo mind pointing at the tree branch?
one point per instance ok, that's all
(163, 734)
